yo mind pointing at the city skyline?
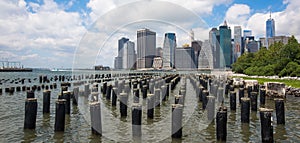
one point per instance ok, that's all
(47, 33)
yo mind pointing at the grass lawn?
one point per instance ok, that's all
(293, 83)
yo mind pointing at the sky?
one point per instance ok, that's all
(84, 33)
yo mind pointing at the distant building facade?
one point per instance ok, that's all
(184, 58)
(237, 46)
(129, 55)
(169, 50)
(270, 41)
(196, 45)
(159, 52)
(225, 46)
(214, 38)
(205, 59)
(146, 43)
(118, 63)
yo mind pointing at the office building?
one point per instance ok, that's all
(146, 43)
(169, 50)
(225, 46)
(272, 40)
(196, 45)
(237, 47)
(129, 55)
(184, 58)
(118, 60)
(214, 38)
(205, 59)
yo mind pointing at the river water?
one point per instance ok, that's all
(115, 129)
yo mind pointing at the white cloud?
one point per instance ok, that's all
(36, 29)
(237, 14)
(286, 21)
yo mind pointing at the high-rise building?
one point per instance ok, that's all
(169, 50)
(121, 43)
(205, 59)
(129, 55)
(184, 58)
(214, 38)
(270, 27)
(225, 46)
(237, 42)
(196, 45)
(146, 43)
(118, 60)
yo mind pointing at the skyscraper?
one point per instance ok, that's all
(237, 42)
(225, 45)
(129, 55)
(146, 42)
(270, 27)
(118, 60)
(169, 50)
(214, 38)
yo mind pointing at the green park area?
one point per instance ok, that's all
(279, 59)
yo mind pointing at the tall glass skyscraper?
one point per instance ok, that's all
(146, 43)
(129, 55)
(169, 50)
(225, 46)
(214, 38)
(270, 27)
(118, 60)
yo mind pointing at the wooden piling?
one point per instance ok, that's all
(123, 104)
(177, 110)
(279, 106)
(30, 113)
(150, 106)
(232, 100)
(221, 124)
(245, 110)
(266, 125)
(60, 112)
(136, 120)
(95, 113)
(46, 101)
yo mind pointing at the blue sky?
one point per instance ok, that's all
(53, 33)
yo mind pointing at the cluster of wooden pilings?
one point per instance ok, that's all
(155, 89)
(210, 90)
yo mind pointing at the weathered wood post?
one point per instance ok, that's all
(177, 110)
(46, 101)
(266, 125)
(245, 110)
(60, 112)
(123, 104)
(279, 106)
(150, 106)
(95, 113)
(136, 120)
(30, 113)
(221, 125)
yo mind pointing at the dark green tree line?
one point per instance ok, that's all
(279, 59)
